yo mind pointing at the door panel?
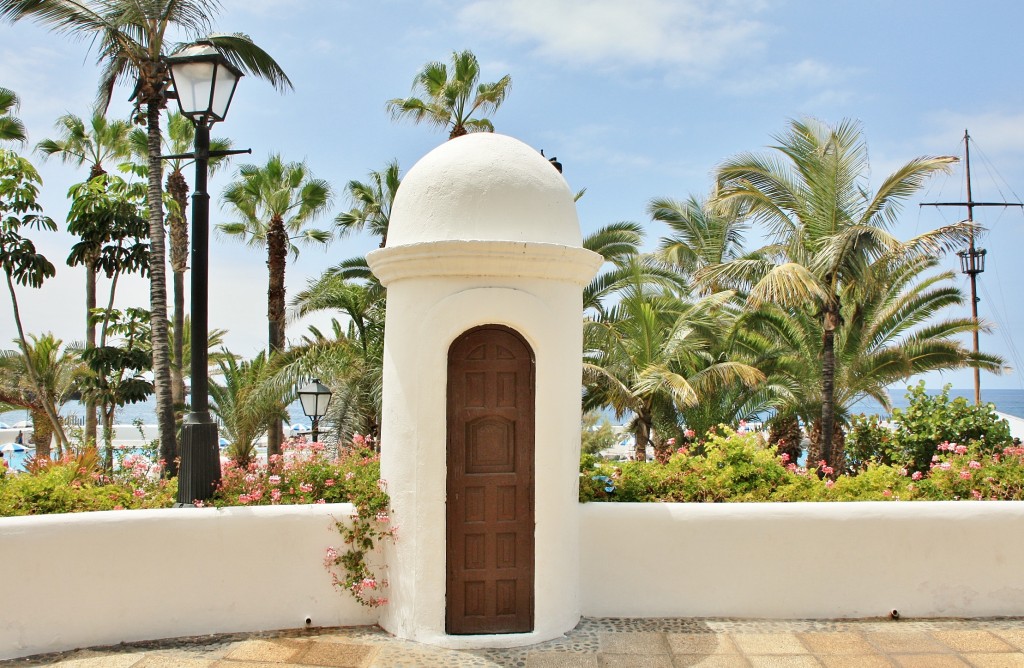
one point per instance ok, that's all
(490, 521)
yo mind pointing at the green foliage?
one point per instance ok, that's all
(933, 419)
(596, 435)
(868, 441)
(738, 467)
(77, 484)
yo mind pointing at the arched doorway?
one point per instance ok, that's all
(490, 483)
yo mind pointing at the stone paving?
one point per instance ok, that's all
(598, 643)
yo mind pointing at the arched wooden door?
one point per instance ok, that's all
(490, 523)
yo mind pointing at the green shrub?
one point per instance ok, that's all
(933, 419)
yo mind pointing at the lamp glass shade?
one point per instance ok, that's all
(314, 398)
(204, 81)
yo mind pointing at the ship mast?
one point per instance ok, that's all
(972, 259)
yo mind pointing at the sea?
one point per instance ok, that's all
(1010, 402)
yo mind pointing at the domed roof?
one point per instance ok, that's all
(484, 187)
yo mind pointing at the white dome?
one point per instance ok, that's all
(484, 187)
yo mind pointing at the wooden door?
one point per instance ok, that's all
(490, 524)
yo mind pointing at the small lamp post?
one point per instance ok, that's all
(204, 82)
(315, 398)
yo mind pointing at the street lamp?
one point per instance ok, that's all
(314, 398)
(204, 82)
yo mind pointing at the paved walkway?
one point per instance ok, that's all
(599, 643)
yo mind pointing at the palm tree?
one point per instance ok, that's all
(449, 99)
(240, 404)
(826, 228)
(371, 203)
(651, 356)
(701, 235)
(130, 38)
(11, 127)
(179, 141)
(94, 145)
(57, 372)
(276, 202)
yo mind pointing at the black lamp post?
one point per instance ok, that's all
(315, 398)
(204, 82)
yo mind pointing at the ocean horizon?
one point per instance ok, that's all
(1010, 402)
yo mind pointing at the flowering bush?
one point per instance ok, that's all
(304, 473)
(77, 483)
(737, 467)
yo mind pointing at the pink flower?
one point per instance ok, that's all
(828, 470)
(784, 456)
(275, 480)
(670, 441)
(382, 485)
(306, 487)
(965, 475)
(275, 495)
(382, 516)
(830, 483)
(198, 503)
(976, 494)
(903, 471)
(329, 482)
(119, 507)
(945, 466)
(689, 433)
(358, 439)
(974, 465)
(139, 493)
(960, 449)
(319, 501)
(349, 475)
(917, 475)
(887, 493)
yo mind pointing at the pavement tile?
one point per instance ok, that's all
(711, 661)
(855, 661)
(1000, 660)
(836, 643)
(1013, 636)
(929, 661)
(278, 650)
(701, 643)
(635, 661)
(561, 660)
(972, 641)
(905, 642)
(633, 642)
(337, 655)
(768, 643)
(784, 661)
(173, 661)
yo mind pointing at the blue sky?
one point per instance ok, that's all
(637, 99)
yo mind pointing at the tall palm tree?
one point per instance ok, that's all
(450, 98)
(826, 228)
(275, 203)
(11, 127)
(888, 333)
(130, 39)
(92, 145)
(179, 141)
(701, 235)
(371, 203)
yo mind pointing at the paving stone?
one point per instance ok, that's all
(1014, 636)
(337, 655)
(278, 650)
(784, 661)
(855, 661)
(711, 661)
(636, 643)
(104, 661)
(172, 661)
(561, 660)
(1000, 660)
(929, 661)
(768, 643)
(972, 641)
(635, 661)
(701, 643)
(905, 642)
(836, 642)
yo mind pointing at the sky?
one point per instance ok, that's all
(638, 100)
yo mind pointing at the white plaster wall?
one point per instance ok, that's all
(90, 579)
(424, 317)
(803, 560)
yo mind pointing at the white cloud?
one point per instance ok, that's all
(697, 35)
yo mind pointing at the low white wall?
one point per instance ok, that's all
(91, 579)
(803, 560)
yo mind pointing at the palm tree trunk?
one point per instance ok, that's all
(643, 436)
(828, 380)
(178, 235)
(42, 432)
(158, 296)
(90, 342)
(277, 256)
